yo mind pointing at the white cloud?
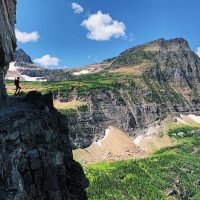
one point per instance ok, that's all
(102, 27)
(25, 37)
(198, 51)
(78, 9)
(47, 60)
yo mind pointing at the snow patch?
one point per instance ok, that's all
(99, 142)
(185, 119)
(13, 73)
(81, 72)
(85, 71)
(138, 139)
(12, 67)
(195, 118)
(28, 78)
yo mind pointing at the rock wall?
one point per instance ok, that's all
(128, 109)
(36, 159)
(7, 40)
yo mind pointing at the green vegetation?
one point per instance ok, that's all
(161, 91)
(68, 112)
(82, 84)
(121, 100)
(171, 169)
(83, 108)
(182, 129)
(133, 57)
(155, 96)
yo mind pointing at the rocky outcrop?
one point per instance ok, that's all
(36, 159)
(7, 40)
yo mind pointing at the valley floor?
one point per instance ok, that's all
(170, 173)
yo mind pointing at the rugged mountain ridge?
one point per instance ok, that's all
(162, 79)
(27, 70)
(21, 57)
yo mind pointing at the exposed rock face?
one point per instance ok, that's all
(166, 82)
(110, 108)
(36, 160)
(7, 40)
(21, 56)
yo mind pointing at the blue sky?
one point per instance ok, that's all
(57, 34)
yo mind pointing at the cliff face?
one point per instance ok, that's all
(165, 80)
(7, 40)
(36, 160)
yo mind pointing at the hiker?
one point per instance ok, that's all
(18, 88)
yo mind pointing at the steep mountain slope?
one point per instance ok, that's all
(147, 83)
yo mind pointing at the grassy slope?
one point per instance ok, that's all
(82, 83)
(155, 92)
(149, 178)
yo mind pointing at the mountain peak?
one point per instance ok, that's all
(20, 56)
(176, 41)
(20, 51)
(162, 44)
(153, 51)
